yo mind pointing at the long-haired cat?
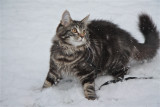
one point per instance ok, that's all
(88, 49)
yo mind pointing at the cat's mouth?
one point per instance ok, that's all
(80, 39)
(77, 42)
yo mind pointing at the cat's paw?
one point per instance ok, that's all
(46, 84)
(91, 97)
(50, 82)
(89, 91)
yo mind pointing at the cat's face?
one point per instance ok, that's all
(73, 32)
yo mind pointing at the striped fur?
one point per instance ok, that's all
(105, 49)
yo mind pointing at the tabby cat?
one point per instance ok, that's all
(87, 49)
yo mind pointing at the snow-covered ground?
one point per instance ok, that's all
(27, 27)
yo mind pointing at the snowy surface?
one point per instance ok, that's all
(27, 27)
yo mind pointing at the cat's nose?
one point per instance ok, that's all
(81, 35)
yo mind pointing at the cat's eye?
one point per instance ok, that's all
(74, 30)
(84, 32)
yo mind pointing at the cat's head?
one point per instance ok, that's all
(72, 32)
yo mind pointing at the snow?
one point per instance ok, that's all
(27, 27)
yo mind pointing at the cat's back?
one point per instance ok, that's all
(102, 27)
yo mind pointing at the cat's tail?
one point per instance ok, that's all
(148, 49)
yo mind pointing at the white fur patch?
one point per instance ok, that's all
(77, 42)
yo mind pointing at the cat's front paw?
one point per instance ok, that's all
(89, 91)
(50, 82)
(91, 96)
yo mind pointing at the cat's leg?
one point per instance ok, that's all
(120, 73)
(119, 68)
(89, 90)
(53, 77)
(88, 84)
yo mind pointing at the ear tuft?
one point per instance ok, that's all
(66, 18)
(84, 20)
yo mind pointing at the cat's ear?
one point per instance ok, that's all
(66, 18)
(84, 20)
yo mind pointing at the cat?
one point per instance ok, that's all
(87, 49)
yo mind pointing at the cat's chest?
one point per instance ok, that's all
(64, 64)
(65, 61)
